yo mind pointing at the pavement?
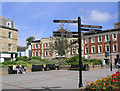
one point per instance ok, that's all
(54, 79)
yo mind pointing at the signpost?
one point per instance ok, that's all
(79, 40)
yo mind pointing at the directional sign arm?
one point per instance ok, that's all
(65, 21)
(91, 26)
(83, 29)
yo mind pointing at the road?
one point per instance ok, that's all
(55, 79)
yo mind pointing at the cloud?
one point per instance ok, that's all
(83, 10)
(97, 16)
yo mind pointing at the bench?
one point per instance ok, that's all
(85, 67)
(50, 67)
(57, 67)
(11, 71)
(74, 67)
(37, 68)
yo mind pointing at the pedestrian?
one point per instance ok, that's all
(15, 68)
(21, 69)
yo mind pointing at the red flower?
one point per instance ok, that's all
(113, 77)
(113, 74)
(116, 74)
(113, 81)
(116, 79)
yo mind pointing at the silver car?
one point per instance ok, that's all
(118, 64)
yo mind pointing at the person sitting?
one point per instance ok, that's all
(15, 68)
(21, 69)
(57, 66)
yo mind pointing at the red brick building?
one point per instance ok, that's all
(96, 44)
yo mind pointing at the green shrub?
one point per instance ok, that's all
(75, 60)
(8, 62)
(26, 64)
(24, 58)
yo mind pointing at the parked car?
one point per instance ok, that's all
(118, 64)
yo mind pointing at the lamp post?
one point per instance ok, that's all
(110, 57)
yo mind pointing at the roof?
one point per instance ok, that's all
(36, 41)
(62, 30)
(98, 32)
(21, 49)
(8, 28)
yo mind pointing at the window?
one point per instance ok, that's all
(107, 48)
(10, 35)
(78, 51)
(35, 46)
(46, 53)
(36, 53)
(49, 53)
(46, 45)
(39, 46)
(39, 53)
(99, 38)
(93, 49)
(73, 51)
(86, 50)
(8, 24)
(86, 40)
(93, 40)
(99, 48)
(33, 53)
(114, 36)
(115, 47)
(49, 44)
(9, 47)
(107, 37)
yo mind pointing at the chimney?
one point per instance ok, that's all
(116, 25)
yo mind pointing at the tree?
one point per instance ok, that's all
(29, 40)
(60, 46)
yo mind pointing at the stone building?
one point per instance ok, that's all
(8, 40)
(42, 49)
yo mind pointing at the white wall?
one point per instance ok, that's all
(1, 60)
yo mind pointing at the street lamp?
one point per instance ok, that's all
(110, 57)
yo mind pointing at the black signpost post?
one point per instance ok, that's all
(79, 40)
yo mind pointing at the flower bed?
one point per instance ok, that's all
(109, 82)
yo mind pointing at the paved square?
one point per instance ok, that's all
(55, 79)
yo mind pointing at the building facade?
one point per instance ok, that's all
(42, 48)
(24, 51)
(8, 40)
(99, 43)
(94, 44)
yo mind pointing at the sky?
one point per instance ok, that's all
(36, 18)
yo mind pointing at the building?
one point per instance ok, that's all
(98, 43)
(8, 40)
(21, 51)
(42, 49)
(24, 51)
(94, 44)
